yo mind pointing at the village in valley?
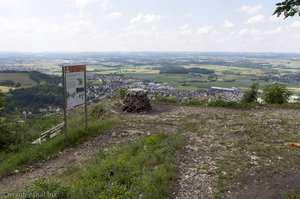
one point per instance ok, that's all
(170, 75)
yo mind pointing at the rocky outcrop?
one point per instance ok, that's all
(136, 101)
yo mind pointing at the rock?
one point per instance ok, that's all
(136, 101)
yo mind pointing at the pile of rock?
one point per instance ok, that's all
(136, 101)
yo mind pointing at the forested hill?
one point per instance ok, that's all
(46, 92)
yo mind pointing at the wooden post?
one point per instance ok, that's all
(85, 98)
(65, 101)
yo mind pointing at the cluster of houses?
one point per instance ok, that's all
(22, 68)
(110, 85)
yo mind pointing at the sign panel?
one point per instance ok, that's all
(74, 86)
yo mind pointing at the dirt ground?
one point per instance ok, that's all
(197, 164)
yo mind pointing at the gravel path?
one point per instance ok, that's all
(194, 182)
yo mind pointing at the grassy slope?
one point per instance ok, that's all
(29, 154)
(144, 169)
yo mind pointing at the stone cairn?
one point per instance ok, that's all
(136, 101)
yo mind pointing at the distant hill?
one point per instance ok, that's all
(44, 92)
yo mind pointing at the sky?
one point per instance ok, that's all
(146, 25)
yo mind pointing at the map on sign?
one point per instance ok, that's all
(75, 86)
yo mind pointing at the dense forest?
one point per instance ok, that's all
(46, 93)
(182, 70)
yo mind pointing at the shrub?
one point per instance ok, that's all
(167, 100)
(6, 137)
(276, 94)
(219, 102)
(195, 102)
(1, 101)
(122, 93)
(97, 111)
(250, 96)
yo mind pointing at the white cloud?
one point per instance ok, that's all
(185, 30)
(187, 15)
(83, 3)
(112, 16)
(145, 18)
(248, 32)
(5, 3)
(228, 24)
(250, 9)
(104, 4)
(69, 15)
(296, 24)
(204, 29)
(274, 18)
(255, 19)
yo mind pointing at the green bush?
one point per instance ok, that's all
(166, 100)
(250, 96)
(122, 93)
(97, 111)
(220, 102)
(276, 94)
(195, 102)
(6, 137)
(1, 101)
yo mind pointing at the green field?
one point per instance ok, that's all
(22, 78)
(5, 89)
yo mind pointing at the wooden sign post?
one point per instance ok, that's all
(75, 90)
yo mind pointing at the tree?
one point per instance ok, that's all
(250, 96)
(6, 137)
(1, 101)
(276, 94)
(288, 8)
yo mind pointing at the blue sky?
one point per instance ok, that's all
(146, 25)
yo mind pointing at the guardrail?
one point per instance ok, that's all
(49, 134)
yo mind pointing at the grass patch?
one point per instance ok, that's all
(144, 169)
(166, 100)
(292, 195)
(5, 89)
(30, 154)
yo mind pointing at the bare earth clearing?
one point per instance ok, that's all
(227, 153)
